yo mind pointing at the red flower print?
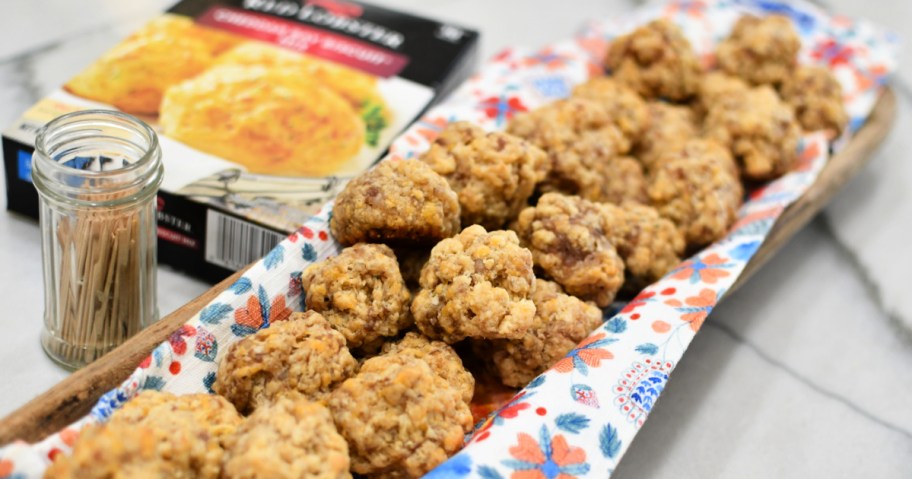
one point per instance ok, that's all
(691, 9)
(640, 300)
(259, 312)
(279, 311)
(501, 108)
(708, 269)
(594, 69)
(295, 288)
(584, 394)
(807, 156)
(832, 53)
(206, 345)
(6, 468)
(766, 214)
(502, 55)
(69, 436)
(595, 46)
(483, 432)
(697, 308)
(178, 345)
(429, 128)
(512, 410)
(546, 458)
(546, 57)
(588, 353)
(660, 326)
(250, 316)
(509, 411)
(527, 450)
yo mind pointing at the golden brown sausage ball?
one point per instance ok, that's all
(397, 201)
(570, 242)
(760, 50)
(302, 355)
(561, 322)
(360, 292)
(656, 61)
(288, 439)
(759, 129)
(399, 418)
(493, 174)
(816, 96)
(477, 284)
(697, 187)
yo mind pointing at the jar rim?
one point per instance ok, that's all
(73, 118)
(65, 137)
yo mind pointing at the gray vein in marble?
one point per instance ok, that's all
(26, 55)
(871, 286)
(52, 45)
(731, 333)
(25, 71)
(19, 89)
(21, 66)
(900, 84)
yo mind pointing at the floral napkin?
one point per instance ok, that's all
(578, 418)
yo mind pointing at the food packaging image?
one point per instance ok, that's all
(264, 110)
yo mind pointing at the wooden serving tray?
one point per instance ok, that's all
(74, 397)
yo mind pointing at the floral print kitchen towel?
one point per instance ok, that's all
(578, 418)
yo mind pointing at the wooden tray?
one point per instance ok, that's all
(74, 397)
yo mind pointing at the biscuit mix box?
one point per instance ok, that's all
(264, 108)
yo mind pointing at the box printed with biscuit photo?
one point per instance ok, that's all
(264, 110)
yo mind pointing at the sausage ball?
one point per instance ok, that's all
(760, 50)
(493, 174)
(360, 292)
(288, 439)
(397, 201)
(561, 322)
(570, 243)
(697, 187)
(302, 355)
(399, 418)
(816, 96)
(759, 129)
(656, 61)
(476, 284)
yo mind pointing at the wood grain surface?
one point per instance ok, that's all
(839, 170)
(73, 397)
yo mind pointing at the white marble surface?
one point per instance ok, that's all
(804, 372)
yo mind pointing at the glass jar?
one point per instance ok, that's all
(97, 173)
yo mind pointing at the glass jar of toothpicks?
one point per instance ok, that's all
(97, 173)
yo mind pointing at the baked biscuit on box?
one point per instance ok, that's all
(271, 120)
(134, 75)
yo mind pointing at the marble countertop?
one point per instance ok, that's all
(806, 371)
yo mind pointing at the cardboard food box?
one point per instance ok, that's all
(264, 109)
